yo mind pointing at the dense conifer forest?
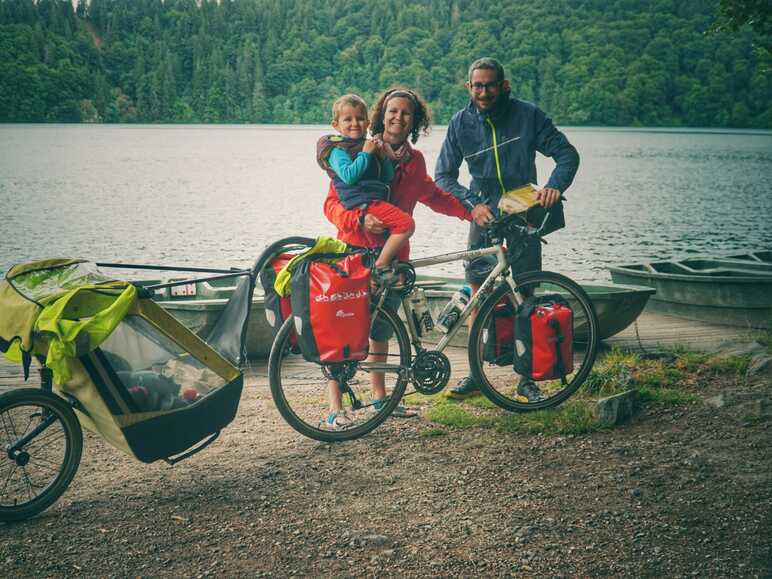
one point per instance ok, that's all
(586, 62)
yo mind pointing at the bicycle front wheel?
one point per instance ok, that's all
(40, 444)
(496, 376)
(300, 389)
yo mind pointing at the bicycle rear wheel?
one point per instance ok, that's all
(35, 473)
(498, 381)
(300, 388)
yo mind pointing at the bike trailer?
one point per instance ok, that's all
(544, 338)
(133, 373)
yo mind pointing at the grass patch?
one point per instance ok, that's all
(672, 379)
(480, 402)
(734, 366)
(611, 374)
(689, 361)
(449, 414)
(667, 396)
(418, 398)
(654, 374)
(434, 432)
(573, 417)
(659, 380)
(701, 363)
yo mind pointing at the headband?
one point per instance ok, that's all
(403, 93)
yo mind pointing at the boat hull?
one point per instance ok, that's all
(731, 291)
(198, 306)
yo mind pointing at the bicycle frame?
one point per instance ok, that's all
(500, 269)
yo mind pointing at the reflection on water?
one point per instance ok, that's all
(215, 196)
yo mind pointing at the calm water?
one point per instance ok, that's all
(216, 195)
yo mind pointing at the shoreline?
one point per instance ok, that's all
(763, 132)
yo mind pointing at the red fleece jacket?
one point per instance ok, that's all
(411, 185)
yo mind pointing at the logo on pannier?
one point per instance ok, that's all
(341, 296)
(342, 314)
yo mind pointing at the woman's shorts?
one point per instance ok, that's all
(382, 330)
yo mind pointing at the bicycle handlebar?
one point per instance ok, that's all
(516, 223)
(504, 225)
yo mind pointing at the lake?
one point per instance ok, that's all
(216, 195)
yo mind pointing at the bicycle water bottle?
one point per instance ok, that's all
(449, 316)
(420, 307)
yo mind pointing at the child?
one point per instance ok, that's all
(362, 174)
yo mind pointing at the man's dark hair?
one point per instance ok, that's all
(487, 63)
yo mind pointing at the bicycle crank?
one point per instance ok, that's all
(431, 372)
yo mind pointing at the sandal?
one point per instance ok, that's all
(339, 420)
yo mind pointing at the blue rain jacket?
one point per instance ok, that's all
(500, 150)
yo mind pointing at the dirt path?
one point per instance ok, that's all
(682, 492)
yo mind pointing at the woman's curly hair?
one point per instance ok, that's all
(422, 116)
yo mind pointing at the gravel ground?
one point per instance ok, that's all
(677, 492)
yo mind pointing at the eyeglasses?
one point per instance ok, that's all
(489, 86)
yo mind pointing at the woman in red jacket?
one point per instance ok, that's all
(398, 114)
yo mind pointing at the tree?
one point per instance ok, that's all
(757, 14)
(593, 61)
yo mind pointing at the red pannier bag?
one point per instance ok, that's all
(544, 336)
(277, 308)
(500, 335)
(331, 308)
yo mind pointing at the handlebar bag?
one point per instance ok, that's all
(499, 336)
(277, 308)
(330, 301)
(536, 214)
(544, 338)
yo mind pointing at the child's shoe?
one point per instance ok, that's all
(339, 420)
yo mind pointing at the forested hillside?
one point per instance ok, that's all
(586, 62)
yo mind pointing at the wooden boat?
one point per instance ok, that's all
(734, 290)
(198, 306)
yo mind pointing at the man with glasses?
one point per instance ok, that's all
(498, 136)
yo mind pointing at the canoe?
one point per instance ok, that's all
(199, 305)
(735, 290)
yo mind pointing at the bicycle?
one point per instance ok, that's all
(299, 388)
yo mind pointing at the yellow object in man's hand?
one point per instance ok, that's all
(519, 200)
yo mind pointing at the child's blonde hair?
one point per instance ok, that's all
(353, 100)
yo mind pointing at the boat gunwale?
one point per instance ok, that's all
(697, 277)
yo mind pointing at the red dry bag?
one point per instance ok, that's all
(499, 337)
(544, 338)
(331, 308)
